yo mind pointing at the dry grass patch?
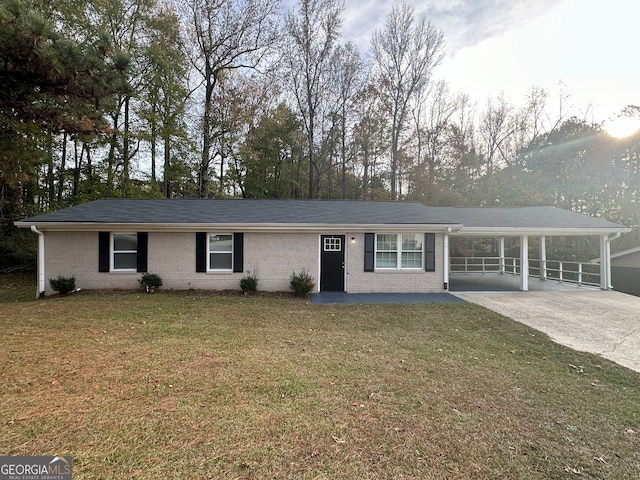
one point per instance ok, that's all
(17, 287)
(190, 385)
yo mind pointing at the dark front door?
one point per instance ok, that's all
(332, 263)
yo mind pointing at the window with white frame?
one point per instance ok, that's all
(386, 250)
(221, 252)
(125, 251)
(399, 251)
(411, 254)
(333, 244)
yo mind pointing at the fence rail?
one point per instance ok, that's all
(580, 273)
(484, 265)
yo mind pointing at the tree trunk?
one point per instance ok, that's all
(203, 171)
(111, 158)
(63, 166)
(343, 151)
(90, 170)
(126, 149)
(50, 178)
(76, 169)
(310, 137)
(154, 133)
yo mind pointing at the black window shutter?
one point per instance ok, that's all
(238, 252)
(104, 247)
(143, 242)
(201, 252)
(430, 251)
(369, 252)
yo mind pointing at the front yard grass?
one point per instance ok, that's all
(198, 386)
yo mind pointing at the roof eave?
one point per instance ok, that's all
(242, 227)
(630, 251)
(537, 232)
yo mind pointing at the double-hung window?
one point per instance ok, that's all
(386, 250)
(399, 251)
(411, 254)
(122, 252)
(125, 251)
(221, 252)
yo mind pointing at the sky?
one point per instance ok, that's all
(585, 50)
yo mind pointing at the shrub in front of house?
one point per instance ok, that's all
(302, 283)
(150, 281)
(249, 283)
(63, 285)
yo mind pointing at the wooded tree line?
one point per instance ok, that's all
(204, 98)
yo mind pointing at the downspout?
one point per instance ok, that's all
(607, 250)
(41, 277)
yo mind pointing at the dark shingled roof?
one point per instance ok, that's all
(252, 211)
(523, 217)
(342, 212)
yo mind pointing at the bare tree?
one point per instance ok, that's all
(432, 116)
(314, 30)
(405, 53)
(228, 34)
(498, 129)
(369, 141)
(349, 74)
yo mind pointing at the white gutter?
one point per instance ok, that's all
(534, 232)
(615, 237)
(241, 227)
(41, 276)
(446, 258)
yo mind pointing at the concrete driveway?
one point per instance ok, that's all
(603, 322)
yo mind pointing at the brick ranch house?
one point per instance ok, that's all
(347, 246)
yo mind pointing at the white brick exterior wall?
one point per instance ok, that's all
(172, 256)
(272, 256)
(70, 254)
(391, 281)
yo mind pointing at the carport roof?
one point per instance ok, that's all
(295, 213)
(525, 218)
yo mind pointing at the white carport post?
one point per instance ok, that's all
(446, 258)
(524, 263)
(605, 262)
(501, 254)
(543, 257)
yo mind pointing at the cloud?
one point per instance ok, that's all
(464, 22)
(585, 48)
(469, 22)
(362, 19)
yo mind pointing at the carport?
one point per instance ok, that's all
(527, 225)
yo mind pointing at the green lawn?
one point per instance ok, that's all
(197, 386)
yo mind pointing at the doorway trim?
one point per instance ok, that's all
(332, 263)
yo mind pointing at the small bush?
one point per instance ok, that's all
(302, 283)
(150, 281)
(63, 285)
(249, 283)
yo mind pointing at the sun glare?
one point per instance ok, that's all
(622, 127)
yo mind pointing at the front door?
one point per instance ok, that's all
(332, 263)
